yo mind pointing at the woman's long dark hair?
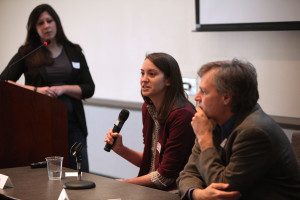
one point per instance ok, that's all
(175, 97)
(43, 55)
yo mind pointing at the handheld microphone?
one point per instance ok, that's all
(47, 42)
(117, 127)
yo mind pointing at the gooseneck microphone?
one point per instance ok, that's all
(117, 127)
(78, 184)
(76, 149)
(47, 42)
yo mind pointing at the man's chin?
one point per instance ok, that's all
(204, 112)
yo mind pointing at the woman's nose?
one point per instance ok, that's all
(46, 24)
(144, 78)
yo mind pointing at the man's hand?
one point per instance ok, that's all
(215, 191)
(203, 128)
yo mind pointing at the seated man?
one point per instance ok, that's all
(239, 151)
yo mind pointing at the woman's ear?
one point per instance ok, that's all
(167, 82)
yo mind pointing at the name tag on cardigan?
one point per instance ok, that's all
(158, 147)
(76, 65)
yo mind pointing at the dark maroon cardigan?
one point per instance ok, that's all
(176, 138)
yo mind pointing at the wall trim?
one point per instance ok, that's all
(287, 122)
(113, 103)
(284, 122)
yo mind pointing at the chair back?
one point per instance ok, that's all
(296, 145)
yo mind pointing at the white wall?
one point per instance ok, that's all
(116, 34)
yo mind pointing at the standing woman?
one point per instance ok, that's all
(58, 70)
(167, 131)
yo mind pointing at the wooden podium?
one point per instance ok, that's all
(32, 126)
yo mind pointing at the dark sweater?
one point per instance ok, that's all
(176, 139)
(36, 76)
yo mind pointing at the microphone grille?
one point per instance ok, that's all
(123, 116)
(47, 42)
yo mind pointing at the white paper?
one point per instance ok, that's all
(63, 195)
(5, 181)
(71, 174)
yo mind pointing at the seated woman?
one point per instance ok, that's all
(167, 132)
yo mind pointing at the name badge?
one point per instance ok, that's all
(223, 143)
(76, 65)
(158, 147)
